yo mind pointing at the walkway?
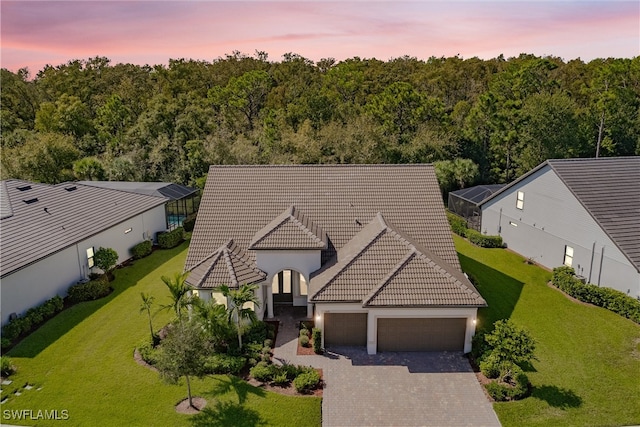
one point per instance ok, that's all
(390, 389)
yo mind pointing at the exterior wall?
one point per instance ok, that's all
(272, 262)
(551, 219)
(36, 283)
(373, 314)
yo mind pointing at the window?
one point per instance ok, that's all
(520, 200)
(128, 230)
(513, 224)
(90, 254)
(568, 256)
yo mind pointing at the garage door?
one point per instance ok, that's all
(421, 334)
(345, 329)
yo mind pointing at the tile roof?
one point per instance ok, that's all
(48, 218)
(609, 189)
(382, 267)
(238, 201)
(290, 230)
(228, 265)
(169, 190)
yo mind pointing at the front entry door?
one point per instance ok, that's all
(282, 289)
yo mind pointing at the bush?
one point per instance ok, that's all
(510, 343)
(490, 366)
(189, 223)
(142, 249)
(89, 291)
(513, 384)
(5, 343)
(281, 379)
(261, 373)
(483, 240)
(304, 340)
(6, 366)
(306, 381)
(317, 340)
(171, 239)
(148, 352)
(105, 259)
(268, 343)
(222, 363)
(611, 299)
(497, 391)
(457, 223)
(304, 332)
(257, 333)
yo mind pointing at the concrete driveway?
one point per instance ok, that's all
(392, 389)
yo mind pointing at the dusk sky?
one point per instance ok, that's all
(36, 33)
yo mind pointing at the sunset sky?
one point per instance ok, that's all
(36, 33)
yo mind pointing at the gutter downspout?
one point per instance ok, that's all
(593, 253)
(601, 260)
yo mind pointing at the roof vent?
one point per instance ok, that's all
(24, 188)
(31, 201)
(71, 188)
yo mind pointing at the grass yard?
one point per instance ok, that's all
(83, 362)
(588, 367)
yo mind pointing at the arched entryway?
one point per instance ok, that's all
(288, 285)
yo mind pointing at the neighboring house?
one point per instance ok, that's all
(466, 202)
(182, 201)
(49, 234)
(584, 213)
(366, 248)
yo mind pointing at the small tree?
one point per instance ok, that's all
(239, 297)
(147, 302)
(105, 259)
(213, 317)
(183, 354)
(510, 343)
(178, 290)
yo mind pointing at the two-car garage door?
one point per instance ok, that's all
(396, 334)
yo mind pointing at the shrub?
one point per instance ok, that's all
(105, 259)
(189, 223)
(304, 332)
(483, 240)
(497, 391)
(510, 343)
(12, 330)
(142, 249)
(257, 333)
(304, 340)
(490, 366)
(317, 340)
(479, 346)
(457, 223)
(611, 299)
(281, 379)
(92, 290)
(6, 366)
(222, 363)
(35, 315)
(306, 324)
(5, 343)
(148, 352)
(268, 343)
(171, 239)
(517, 379)
(306, 381)
(252, 350)
(261, 373)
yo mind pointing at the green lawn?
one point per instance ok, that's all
(588, 367)
(83, 361)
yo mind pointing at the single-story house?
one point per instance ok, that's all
(583, 213)
(366, 248)
(49, 235)
(182, 201)
(466, 202)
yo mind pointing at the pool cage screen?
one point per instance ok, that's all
(466, 202)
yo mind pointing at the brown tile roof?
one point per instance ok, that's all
(290, 230)
(238, 201)
(382, 267)
(228, 265)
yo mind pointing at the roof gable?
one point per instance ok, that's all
(290, 230)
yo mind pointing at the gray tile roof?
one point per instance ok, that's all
(238, 201)
(169, 190)
(382, 267)
(609, 189)
(228, 265)
(290, 230)
(48, 218)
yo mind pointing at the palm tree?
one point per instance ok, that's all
(239, 297)
(178, 289)
(147, 302)
(213, 317)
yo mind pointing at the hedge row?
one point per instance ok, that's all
(91, 290)
(171, 239)
(32, 318)
(611, 299)
(142, 249)
(305, 378)
(459, 226)
(189, 223)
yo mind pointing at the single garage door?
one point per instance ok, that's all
(421, 334)
(345, 329)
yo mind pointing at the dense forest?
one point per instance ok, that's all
(485, 120)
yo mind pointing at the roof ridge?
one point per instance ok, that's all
(386, 279)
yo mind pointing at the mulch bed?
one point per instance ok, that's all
(184, 408)
(288, 390)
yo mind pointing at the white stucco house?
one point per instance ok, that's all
(49, 234)
(367, 249)
(583, 213)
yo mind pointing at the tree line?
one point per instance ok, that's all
(89, 119)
